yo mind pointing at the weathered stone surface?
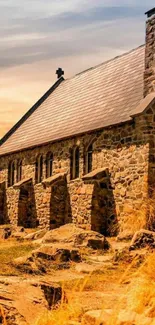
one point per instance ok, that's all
(129, 317)
(149, 75)
(91, 239)
(58, 254)
(53, 294)
(125, 236)
(76, 236)
(143, 238)
(99, 317)
(25, 300)
(29, 265)
(120, 317)
(36, 235)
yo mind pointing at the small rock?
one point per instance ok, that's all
(36, 235)
(99, 317)
(143, 238)
(98, 243)
(125, 236)
(5, 232)
(121, 255)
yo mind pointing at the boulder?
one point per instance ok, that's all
(92, 239)
(76, 236)
(57, 254)
(29, 265)
(143, 238)
(44, 258)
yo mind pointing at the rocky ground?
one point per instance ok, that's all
(37, 267)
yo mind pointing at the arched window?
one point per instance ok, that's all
(19, 170)
(71, 162)
(89, 159)
(39, 169)
(74, 162)
(77, 158)
(11, 173)
(49, 164)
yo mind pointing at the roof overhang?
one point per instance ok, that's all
(96, 174)
(54, 179)
(144, 104)
(22, 182)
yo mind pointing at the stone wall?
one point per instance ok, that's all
(149, 75)
(2, 202)
(123, 150)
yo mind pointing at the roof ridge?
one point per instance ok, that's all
(105, 62)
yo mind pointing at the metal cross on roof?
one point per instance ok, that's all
(59, 72)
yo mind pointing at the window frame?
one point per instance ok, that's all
(11, 173)
(39, 169)
(49, 164)
(89, 159)
(19, 170)
(74, 162)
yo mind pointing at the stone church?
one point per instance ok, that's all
(85, 152)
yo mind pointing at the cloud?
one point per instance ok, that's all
(39, 37)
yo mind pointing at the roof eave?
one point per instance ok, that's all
(67, 137)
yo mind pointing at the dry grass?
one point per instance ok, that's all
(9, 250)
(2, 316)
(141, 217)
(140, 297)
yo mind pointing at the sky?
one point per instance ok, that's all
(38, 36)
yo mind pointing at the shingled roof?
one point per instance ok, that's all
(99, 97)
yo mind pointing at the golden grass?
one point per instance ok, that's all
(9, 250)
(141, 217)
(140, 297)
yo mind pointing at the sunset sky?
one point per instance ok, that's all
(37, 36)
